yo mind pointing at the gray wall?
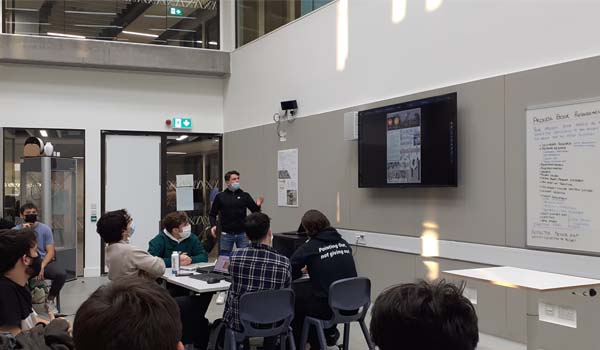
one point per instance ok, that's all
(487, 207)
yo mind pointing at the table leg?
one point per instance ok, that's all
(532, 320)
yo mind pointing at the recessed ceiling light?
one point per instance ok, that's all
(91, 13)
(176, 153)
(181, 138)
(44, 133)
(213, 43)
(21, 9)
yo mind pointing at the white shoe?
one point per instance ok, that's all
(51, 306)
(221, 298)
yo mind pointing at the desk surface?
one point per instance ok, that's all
(514, 277)
(194, 284)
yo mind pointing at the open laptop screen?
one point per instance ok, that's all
(222, 264)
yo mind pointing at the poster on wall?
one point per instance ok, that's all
(563, 181)
(185, 192)
(287, 178)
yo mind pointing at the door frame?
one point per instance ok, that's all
(163, 169)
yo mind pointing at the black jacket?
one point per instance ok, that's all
(328, 258)
(54, 336)
(233, 207)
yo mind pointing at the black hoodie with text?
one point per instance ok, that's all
(328, 258)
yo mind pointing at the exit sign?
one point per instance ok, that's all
(176, 11)
(182, 123)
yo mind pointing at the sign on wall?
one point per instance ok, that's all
(287, 178)
(563, 176)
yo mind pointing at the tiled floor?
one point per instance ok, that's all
(75, 292)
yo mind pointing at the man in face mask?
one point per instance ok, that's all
(177, 236)
(19, 261)
(45, 247)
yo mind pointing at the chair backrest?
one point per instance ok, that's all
(271, 309)
(349, 299)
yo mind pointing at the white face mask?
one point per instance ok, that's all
(186, 232)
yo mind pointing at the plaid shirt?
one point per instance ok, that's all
(257, 267)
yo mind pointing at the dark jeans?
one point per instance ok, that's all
(307, 304)
(58, 277)
(192, 309)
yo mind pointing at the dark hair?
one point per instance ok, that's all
(13, 245)
(112, 224)
(314, 222)
(27, 206)
(6, 224)
(229, 173)
(130, 313)
(173, 220)
(257, 226)
(424, 316)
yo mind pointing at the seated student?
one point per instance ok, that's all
(123, 259)
(45, 245)
(19, 261)
(424, 316)
(254, 268)
(176, 236)
(130, 313)
(327, 258)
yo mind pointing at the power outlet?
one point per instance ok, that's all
(360, 239)
(558, 314)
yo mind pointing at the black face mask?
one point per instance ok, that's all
(35, 267)
(31, 218)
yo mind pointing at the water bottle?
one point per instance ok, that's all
(175, 263)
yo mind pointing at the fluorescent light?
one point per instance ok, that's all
(172, 29)
(96, 26)
(176, 153)
(181, 138)
(31, 23)
(162, 16)
(44, 133)
(181, 40)
(92, 13)
(78, 157)
(213, 43)
(21, 9)
(140, 34)
(199, 41)
(67, 35)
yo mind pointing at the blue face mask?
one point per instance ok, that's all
(235, 186)
(132, 229)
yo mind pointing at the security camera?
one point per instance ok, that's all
(290, 106)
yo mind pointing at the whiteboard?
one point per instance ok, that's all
(563, 176)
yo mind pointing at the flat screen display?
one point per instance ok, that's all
(410, 144)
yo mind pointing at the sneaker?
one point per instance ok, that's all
(221, 298)
(51, 306)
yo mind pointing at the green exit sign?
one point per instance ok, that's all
(176, 11)
(182, 123)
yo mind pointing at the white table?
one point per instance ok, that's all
(534, 282)
(194, 284)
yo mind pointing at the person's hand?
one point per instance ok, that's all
(185, 259)
(40, 277)
(213, 231)
(304, 270)
(260, 200)
(27, 225)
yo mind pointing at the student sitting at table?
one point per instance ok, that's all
(177, 236)
(327, 258)
(123, 259)
(254, 268)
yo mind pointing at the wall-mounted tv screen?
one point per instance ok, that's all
(410, 144)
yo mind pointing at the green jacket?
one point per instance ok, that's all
(163, 246)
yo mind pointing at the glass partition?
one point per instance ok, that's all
(255, 18)
(188, 23)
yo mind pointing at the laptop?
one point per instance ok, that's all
(220, 271)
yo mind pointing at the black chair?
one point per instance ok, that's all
(349, 299)
(265, 313)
